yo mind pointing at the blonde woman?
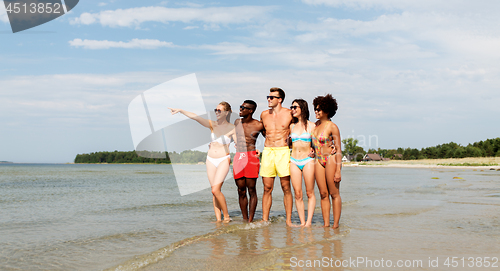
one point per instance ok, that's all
(218, 159)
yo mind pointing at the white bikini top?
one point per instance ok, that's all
(223, 139)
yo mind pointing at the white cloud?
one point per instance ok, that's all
(133, 17)
(102, 4)
(3, 14)
(286, 55)
(230, 48)
(190, 4)
(413, 5)
(404, 108)
(133, 44)
(48, 95)
(422, 34)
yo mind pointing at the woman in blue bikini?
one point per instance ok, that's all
(301, 164)
(218, 159)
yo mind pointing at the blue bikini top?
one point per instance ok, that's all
(305, 136)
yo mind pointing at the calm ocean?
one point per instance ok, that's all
(94, 217)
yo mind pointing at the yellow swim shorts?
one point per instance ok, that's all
(275, 161)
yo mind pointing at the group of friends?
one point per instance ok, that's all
(295, 149)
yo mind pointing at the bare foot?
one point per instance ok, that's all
(227, 220)
(326, 225)
(335, 226)
(308, 224)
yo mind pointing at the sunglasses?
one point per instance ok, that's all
(217, 111)
(272, 97)
(293, 107)
(243, 107)
(317, 109)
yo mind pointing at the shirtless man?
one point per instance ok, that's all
(246, 161)
(276, 154)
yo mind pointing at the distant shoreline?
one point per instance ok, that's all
(199, 163)
(421, 166)
(481, 163)
(470, 163)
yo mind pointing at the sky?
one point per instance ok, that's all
(404, 73)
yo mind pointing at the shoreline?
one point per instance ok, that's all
(459, 163)
(421, 166)
(482, 163)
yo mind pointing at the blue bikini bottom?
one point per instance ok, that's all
(302, 162)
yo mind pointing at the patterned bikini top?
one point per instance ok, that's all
(305, 136)
(321, 140)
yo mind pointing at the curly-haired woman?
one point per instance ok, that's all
(327, 167)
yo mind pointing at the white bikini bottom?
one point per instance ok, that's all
(217, 161)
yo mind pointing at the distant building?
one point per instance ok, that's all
(397, 156)
(372, 157)
(348, 158)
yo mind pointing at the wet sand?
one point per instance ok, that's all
(478, 163)
(410, 218)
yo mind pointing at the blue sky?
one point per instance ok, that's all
(407, 73)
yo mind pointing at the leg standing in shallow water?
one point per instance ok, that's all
(328, 166)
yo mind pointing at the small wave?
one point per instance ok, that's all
(350, 202)
(154, 207)
(493, 195)
(150, 172)
(474, 203)
(411, 213)
(425, 190)
(117, 237)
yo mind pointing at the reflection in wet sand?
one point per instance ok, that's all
(270, 247)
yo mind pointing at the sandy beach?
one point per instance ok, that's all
(478, 163)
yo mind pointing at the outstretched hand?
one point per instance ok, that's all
(174, 110)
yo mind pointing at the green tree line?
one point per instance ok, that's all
(118, 157)
(486, 148)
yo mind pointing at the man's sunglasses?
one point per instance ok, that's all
(272, 97)
(243, 107)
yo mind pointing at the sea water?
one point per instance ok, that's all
(122, 217)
